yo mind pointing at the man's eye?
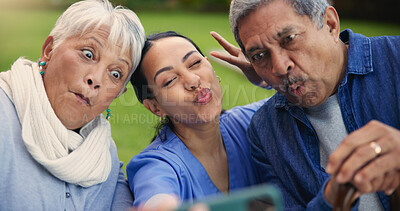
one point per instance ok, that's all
(289, 38)
(258, 56)
(116, 74)
(88, 54)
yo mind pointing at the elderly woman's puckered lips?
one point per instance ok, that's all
(82, 99)
(55, 128)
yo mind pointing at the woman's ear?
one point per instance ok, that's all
(47, 48)
(152, 106)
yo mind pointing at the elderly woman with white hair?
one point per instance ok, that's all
(56, 148)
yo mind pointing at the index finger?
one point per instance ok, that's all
(233, 50)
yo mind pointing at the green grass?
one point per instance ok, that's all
(24, 31)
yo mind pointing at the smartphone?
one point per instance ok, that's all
(256, 198)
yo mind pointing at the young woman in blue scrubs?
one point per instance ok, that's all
(199, 151)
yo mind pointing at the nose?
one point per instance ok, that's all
(281, 63)
(192, 81)
(90, 82)
(94, 78)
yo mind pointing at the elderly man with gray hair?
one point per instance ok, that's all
(336, 117)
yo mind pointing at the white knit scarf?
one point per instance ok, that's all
(64, 153)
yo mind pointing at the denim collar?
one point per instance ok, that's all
(359, 56)
(359, 61)
(281, 100)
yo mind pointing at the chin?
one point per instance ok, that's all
(210, 117)
(202, 118)
(309, 103)
(75, 123)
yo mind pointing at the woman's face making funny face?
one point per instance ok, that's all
(183, 82)
(83, 76)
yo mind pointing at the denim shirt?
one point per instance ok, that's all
(286, 147)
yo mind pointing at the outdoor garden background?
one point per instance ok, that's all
(25, 24)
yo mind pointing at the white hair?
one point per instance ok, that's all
(124, 25)
(314, 9)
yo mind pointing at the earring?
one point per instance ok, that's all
(219, 79)
(108, 114)
(161, 119)
(41, 65)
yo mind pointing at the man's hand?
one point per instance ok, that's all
(237, 58)
(369, 158)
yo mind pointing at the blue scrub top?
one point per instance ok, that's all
(169, 167)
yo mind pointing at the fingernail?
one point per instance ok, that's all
(390, 192)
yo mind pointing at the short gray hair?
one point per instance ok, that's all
(125, 26)
(315, 9)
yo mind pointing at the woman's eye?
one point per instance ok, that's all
(116, 74)
(88, 54)
(197, 62)
(169, 82)
(258, 56)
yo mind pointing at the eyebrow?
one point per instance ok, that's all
(251, 50)
(280, 34)
(101, 45)
(285, 31)
(187, 55)
(184, 58)
(161, 71)
(123, 60)
(96, 40)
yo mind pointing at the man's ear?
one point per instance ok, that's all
(47, 49)
(153, 107)
(331, 20)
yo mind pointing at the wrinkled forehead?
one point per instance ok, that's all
(271, 20)
(105, 39)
